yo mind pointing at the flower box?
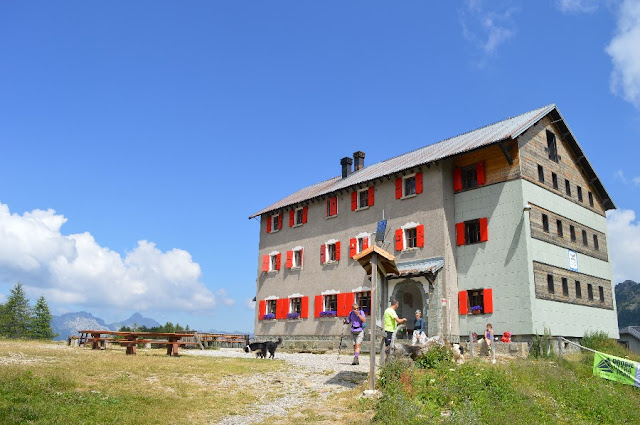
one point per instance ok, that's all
(293, 316)
(328, 313)
(476, 309)
(269, 316)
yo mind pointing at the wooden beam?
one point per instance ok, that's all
(506, 153)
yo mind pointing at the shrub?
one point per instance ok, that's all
(435, 357)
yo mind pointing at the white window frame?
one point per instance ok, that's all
(324, 294)
(269, 302)
(404, 179)
(295, 297)
(272, 259)
(294, 264)
(404, 228)
(295, 217)
(359, 206)
(275, 220)
(326, 251)
(360, 237)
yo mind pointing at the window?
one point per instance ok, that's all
(550, 284)
(578, 289)
(540, 174)
(299, 217)
(545, 223)
(476, 299)
(295, 305)
(297, 258)
(363, 198)
(552, 147)
(565, 287)
(472, 231)
(274, 263)
(364, 301)
(275, 223)
(332, 206)
(585, 241)
(579, 193)
(560, 231)
(409, 186)
(363, 243)
(554, 180)
(590, 291)
(601, 291)
(572, 230)
(411, 238)
(469, 177)
(271, 306)
(331, 252)
(331, 302)
(567, 187)
(596, 245)
(590, 198)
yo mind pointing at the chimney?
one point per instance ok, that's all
(358, 158)
(346, 166)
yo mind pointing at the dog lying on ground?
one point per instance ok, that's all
(263, 347)
(458, 352)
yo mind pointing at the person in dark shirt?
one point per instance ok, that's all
(357, 320)
(419, 326)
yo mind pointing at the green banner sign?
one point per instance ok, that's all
(616, 369)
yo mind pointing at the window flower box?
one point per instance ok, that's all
(476, 309)
(269, 316)
(293, 316)
(328, 313)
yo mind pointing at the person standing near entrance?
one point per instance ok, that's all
(418, 330)
(391, 320)
(357, 319)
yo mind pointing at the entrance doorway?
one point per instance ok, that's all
(411, 297)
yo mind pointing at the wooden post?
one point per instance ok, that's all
(374, 302)
(560, 348)
(471, 345)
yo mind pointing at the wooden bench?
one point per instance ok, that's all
(172, 346)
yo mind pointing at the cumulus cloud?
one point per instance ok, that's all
(623, 50)
(75, 269)
(577, 6)
(624, 245)
(485, 28)
(223, 297)
(619, 175)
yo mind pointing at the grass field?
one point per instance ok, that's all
(50, 383)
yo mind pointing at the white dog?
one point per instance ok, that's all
(457, 353)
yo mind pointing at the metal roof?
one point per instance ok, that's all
(507, 129)
(423, 266)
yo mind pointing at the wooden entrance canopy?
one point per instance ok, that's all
(386, 261)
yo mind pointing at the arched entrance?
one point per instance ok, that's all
(411, 296)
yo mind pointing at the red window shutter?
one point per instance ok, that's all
(292, 213)
(365, 243)
(304, 307)
(338, 251)
(278, 258)
(460, 234)
(282, 308)
(480, 174)
(371, 195)
(342, 311)
(265, 263)
(399, 239)
(418, 182)
(487, 296)
(262, 310)
(353, 247)
(457, 179)
(318, 306)
(334, 205)
(398, 188)
(349, 298)
(323, 254)
(484, 231)
(354, 201)
(420, 235)
(305, 209)
(463, 303)
(268, 224)
(289, 263)
(280, 221)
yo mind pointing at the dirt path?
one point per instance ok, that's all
(306, 386)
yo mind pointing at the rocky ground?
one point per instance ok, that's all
(308, 383)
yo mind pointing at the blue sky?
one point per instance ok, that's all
(137, 137)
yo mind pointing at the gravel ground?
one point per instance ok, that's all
(309, 381)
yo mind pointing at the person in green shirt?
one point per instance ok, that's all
(391, 320)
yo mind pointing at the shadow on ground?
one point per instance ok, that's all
(348, 379)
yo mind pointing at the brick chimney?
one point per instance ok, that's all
(358, 158)
(346, 166)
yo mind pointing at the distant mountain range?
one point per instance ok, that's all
(628, 303)
(70, 323)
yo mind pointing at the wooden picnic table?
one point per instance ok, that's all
(131, 339)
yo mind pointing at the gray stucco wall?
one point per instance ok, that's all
(345, 275)
(501, 262)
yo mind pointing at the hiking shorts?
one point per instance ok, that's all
(357, 337)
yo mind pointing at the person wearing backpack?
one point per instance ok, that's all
(358, 322)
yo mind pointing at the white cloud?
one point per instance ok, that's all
(619, 175)
(624, 245)
(75, 269)
(577, 6)
(484, 28)
(224, 298)
(624, 50)
(250, 303)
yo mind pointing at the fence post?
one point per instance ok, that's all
(471, 344)
(493, 352)
(548, 346)
(560, 347)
